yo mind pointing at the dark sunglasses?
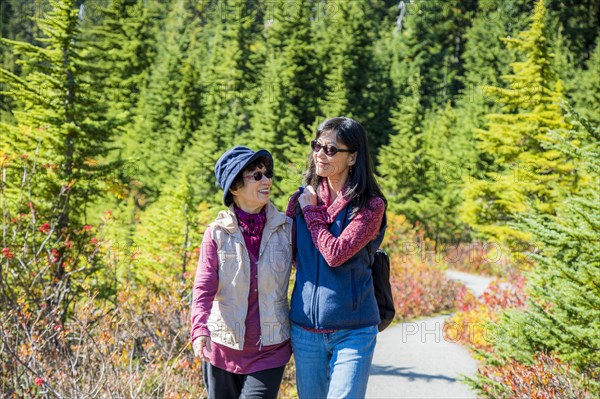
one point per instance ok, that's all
(258, 175)
(330, 150)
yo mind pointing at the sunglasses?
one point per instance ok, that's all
(258, 175)
(330, 150)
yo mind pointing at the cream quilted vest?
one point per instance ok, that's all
(227, 320)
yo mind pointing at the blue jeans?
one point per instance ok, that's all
(333, 365)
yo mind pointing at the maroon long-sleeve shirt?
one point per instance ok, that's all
(254, 357)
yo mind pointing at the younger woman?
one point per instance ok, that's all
(334, 313)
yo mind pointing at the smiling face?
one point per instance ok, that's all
(334, 167)
(253, 194)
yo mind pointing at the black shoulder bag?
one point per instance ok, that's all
(380, 271)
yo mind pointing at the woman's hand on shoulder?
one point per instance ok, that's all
(308, 197)
(199, 344)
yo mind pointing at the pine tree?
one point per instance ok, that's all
(399, 161)
(17, 23)
(423, 169)
(287, 107)
(59, 116)
(432, 38)
(60, 136)
(356, 85)
(168, 110)
(349, 53)
(579, 22)
(563, 313)
(426, 65)
(523, 170)
(446, 156)
(120, 240)
(221, 92)
(122, 36)
(563, 61)
(587, 97)
(230, 77)
(165, 234)
(486, 60)
(124, 45)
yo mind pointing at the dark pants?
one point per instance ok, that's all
(221, 384)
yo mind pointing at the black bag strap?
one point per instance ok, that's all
(379, 239)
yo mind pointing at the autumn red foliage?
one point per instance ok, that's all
(545, 378)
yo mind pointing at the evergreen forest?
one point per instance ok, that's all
(482, 118)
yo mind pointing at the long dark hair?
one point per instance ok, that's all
(362, 185)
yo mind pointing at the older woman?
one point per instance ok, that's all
(240, 325)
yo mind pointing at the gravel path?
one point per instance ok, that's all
(413, 360)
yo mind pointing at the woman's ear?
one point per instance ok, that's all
(352, 159)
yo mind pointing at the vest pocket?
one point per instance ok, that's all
(282, 312)
(354, 293)
(278, 256)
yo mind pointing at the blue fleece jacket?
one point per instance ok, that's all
(327, 297)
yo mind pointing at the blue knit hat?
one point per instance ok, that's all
(232, 162)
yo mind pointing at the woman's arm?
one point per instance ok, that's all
(206, 284)
(359, 232)
(291, 212)
(293, 202)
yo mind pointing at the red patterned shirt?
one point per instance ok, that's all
(361, 230)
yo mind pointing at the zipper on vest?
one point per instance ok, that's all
(315, 302)
(260, 342)
(354, 290)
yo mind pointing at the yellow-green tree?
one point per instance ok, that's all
(562, 316)
(525, 173)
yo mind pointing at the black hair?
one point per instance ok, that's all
(362, 185)
(238, 181)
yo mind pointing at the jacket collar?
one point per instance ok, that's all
(228, 221)
(333, 209)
